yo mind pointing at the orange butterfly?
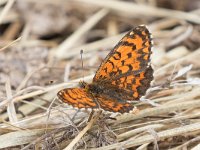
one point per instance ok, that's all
(124, 75)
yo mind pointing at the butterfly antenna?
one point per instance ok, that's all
(81, 53)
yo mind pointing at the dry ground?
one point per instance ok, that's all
(40, 43)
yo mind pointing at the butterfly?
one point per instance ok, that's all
(123, 76)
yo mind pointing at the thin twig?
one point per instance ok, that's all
(10, 44)
(6, 10)
(149, 138)
(72, 40)
(132, 9)
(80, 135)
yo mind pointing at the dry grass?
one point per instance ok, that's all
(40, 47)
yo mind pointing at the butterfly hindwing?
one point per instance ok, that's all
(77, 97)
(132, 87)
(114, 105)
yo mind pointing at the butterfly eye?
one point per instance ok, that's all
(83, 84)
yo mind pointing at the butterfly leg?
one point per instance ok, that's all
(91, 115)
(94, 114)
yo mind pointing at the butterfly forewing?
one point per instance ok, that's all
(130, 56)
(127, 66)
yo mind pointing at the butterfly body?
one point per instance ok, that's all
(124, 75)
(100, 90)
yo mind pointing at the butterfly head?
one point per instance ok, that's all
(84, 85)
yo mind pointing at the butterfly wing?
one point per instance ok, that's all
(132, 87)
(77, 97)
(114, 105)
(127, 66)
(125, 70)
(130, 55)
